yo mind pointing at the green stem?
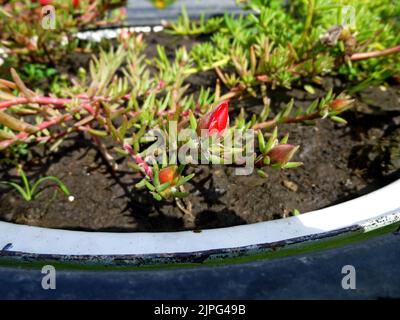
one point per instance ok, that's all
(273, 123)
(308, 23)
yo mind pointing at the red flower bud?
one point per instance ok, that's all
(340, 105)
(75, 3)
(262, 78)
(168, 174)
(217, 120)
(45, 2)
(282, 153)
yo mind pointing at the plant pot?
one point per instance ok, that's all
(364, 217)
(355, 220)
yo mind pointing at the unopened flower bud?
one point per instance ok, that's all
(217, 120)
(282, 153)
(262, 78)
(45, 2)
(75, 3)
(340, 105)
(169, 174)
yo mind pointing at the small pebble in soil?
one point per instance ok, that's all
(71, 198)
(348, 183)
(290, 185)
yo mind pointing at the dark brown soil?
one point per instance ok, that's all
(340, 163)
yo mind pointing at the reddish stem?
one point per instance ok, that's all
(138, 159)
(49, 100)
(54, 137)
(24, 135)
(374, 54)
(39, 100)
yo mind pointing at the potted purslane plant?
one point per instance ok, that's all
(213, 123)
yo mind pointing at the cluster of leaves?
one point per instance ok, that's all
(25, 39)
(122, 99)
(37, 72)
(277, 44)
(186, 27)
(123, 96)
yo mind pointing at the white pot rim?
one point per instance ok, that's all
(374, 210)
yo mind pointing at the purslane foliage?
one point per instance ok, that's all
(119, 98)
(123, 96)
(279, 44)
